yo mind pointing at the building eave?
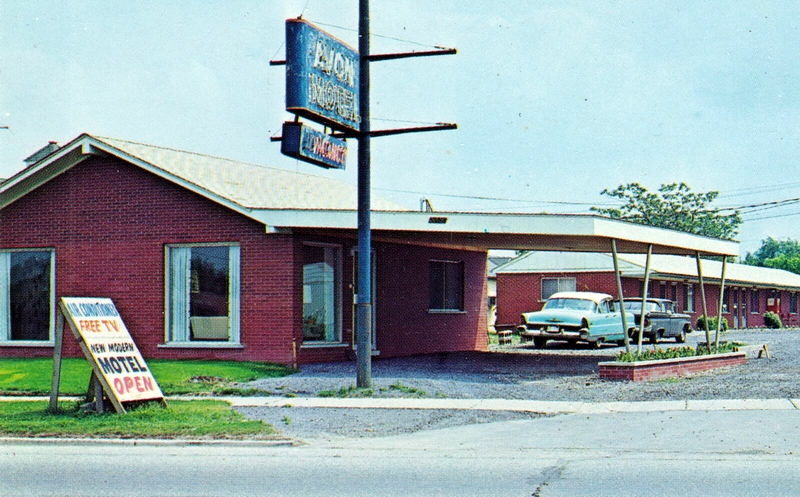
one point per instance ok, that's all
(559, 232)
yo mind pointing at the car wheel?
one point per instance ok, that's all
(653, 339)
(596, 344)
(681, 338)
(539, 342)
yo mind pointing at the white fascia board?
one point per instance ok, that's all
(620, 230)
(454, 222)
(499, 223)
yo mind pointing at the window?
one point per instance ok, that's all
(555, 285)
(793, 303)
(26, 295)
(688, 298)
(446, 286)
(321, 293)
(203, 293)
(726, 296)
(662, 290)
(754, 304)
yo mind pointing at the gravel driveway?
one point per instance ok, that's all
(523, 372)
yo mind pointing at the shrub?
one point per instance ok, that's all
(772, 320)
(712, 324)
(675, 352)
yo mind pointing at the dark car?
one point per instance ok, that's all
(660, 319)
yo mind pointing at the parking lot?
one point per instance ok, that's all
(558, 372)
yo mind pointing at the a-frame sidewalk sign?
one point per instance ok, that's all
(119, 372)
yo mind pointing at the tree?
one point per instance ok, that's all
(778, 254)
(674, 206)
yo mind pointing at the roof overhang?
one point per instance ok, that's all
(475, 231)
(82, 148)
(483, 231)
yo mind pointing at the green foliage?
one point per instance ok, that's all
(772, 320)
(405, 390)
(674, 206)
(712, 324)
(778, 254)
(351, 391)
(33, 375)
(195, 419)
(674, 353)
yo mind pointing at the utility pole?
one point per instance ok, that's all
(364, 297)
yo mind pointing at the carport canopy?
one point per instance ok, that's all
(543, 232)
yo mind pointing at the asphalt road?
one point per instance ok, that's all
(730, 453)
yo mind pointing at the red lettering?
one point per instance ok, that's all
(128, 383)
(148, 383)
(119, 386)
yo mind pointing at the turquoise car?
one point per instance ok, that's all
(575, 317)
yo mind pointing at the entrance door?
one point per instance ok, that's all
(374, 337)
(743, 308)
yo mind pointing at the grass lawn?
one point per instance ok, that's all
(33, 376)
(193, 420)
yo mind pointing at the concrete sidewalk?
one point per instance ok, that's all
(534, 406)
(515, 405)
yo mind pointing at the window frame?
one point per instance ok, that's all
(338, 295)
(688, 297)
(234, 299)
(558, 280)
(755, 301)
(793, 303)
(6, 341)
(445, 310)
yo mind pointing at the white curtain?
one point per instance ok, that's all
(179, 281)
(5, 296)
(233, 301)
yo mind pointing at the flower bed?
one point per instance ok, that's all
(668, 368)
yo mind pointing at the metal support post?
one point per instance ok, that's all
(364, 296)
(703, 300)
(721, 301)
(619, 295)
(644, 296)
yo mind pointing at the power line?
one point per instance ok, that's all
(500, 199)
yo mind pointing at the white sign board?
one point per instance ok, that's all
(105, 341)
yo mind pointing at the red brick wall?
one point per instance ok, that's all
(403, 324)
(521, 292)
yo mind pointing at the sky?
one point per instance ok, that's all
(555, 101)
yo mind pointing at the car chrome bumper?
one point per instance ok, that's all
(561, 334)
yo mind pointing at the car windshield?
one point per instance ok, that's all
(574, 304)
(636, 306)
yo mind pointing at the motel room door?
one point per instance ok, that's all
(354, 286)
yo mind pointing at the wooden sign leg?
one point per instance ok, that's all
(57, 353)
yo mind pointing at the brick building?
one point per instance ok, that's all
(525, 282)
(213, 258)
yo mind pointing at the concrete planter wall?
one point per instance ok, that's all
(668, 368)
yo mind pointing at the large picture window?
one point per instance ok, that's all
(555, 285)
(321, 293)
(26, 295)
(203, 293)
(446, 286)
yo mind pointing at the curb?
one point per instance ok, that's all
(144, 442)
